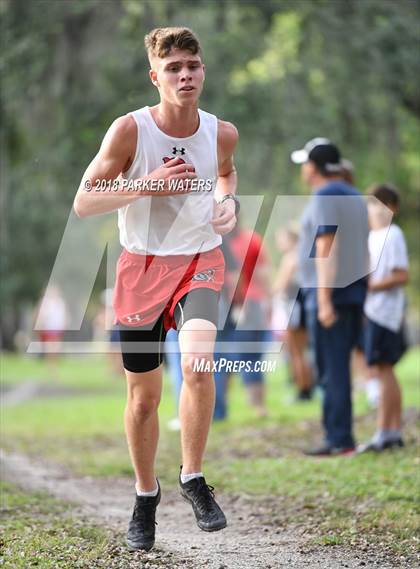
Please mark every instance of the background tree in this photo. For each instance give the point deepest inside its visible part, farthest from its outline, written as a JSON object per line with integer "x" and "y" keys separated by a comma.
{"x": 282, "y": 71}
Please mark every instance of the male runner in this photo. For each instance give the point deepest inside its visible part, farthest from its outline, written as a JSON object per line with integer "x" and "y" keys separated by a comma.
{"x": 171, "y": 269}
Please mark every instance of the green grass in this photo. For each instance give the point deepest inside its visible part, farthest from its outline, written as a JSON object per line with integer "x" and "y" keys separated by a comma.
{"x": 342, "y": 500}
{"x": 81, "y": 372}
{"x": 37, "y": 531}
{"x": 363, "y": 494}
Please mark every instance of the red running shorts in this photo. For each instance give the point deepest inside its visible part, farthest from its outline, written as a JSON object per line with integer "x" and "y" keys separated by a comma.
{"x": 148, "y": 285}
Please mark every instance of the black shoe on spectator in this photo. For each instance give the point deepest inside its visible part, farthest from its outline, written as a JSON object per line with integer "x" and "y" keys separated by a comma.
{"x": 327, "y": 451}
{"x": 207, "y": 512}
{"x": 141, "y": 529}
{"x": 305, "y": 395}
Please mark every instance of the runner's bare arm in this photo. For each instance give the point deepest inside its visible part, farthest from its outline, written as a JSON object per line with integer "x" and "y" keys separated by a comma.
{"x": 114, "y": 157}
{"x": 224, "y": 218}
{"x": 227, "y": 138}
{"x": 115, "y": 154}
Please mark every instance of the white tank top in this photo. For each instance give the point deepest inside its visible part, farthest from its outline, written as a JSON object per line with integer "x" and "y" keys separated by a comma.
{"x": 178, "y": 224}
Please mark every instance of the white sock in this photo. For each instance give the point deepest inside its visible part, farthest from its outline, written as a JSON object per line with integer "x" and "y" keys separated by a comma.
{"x": 187, "y": 477}
{"x": 382, "y": 436}
{"x": 151, "y": 493}
{"x": 395, "y": 434}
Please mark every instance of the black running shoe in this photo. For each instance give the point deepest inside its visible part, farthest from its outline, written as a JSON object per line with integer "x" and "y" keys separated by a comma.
{"x": 207, "y": 512}
{"x": 329, "y": 451}
{"x": 141, "y": 529}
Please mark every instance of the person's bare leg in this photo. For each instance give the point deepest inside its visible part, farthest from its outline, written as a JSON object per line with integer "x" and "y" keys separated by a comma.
{"x": 396, "y": 421}
{"x": 296, "y": 343}
{"x": 389, "y": 415}
{"x": 196, "y": 405}
{"x": 305, "y": 370}
{"x": 52, "y": 360}
{"x": 115, "y": 364}
{"x": 142, "y": 424}
{"x": 291, "y": 348}
{"x": 256, "y": 393}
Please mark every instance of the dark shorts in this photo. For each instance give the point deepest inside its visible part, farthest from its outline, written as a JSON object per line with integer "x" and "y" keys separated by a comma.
{"x": 297, "y": 317}
{"x": 142, "y": 347}
{"x": 381, "y": 345}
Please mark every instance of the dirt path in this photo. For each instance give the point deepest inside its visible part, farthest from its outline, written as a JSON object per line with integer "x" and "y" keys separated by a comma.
{"x": 29, "y": 389}
{"x": 249, "y": 541}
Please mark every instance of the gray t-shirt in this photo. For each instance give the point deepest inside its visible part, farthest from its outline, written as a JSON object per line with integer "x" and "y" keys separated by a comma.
{"x": 336, "y": 208}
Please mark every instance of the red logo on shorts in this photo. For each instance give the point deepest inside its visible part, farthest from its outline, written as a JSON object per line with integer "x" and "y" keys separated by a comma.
{"x": 204, "y": 276}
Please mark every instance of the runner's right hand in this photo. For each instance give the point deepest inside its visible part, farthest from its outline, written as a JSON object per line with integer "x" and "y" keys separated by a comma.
{"x": 175, "y": 169}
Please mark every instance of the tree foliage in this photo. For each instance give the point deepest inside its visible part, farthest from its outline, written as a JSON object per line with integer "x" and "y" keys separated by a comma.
{"x": 282, "y": 71}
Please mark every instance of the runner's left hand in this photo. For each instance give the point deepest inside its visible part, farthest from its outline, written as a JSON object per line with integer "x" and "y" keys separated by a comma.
{"x": 224, "y": 218}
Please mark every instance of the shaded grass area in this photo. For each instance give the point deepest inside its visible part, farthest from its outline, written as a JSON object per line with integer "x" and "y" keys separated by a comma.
{"x": 84, "y": 372}
{"x": 37, "y": 531}
{"x": 355, "y": 500}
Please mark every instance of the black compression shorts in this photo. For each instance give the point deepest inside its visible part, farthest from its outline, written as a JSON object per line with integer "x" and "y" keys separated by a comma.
{"x": 198, "y": 303}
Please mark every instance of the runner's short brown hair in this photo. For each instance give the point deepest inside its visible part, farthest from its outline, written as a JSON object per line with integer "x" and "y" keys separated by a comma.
{"x": 160, "y": 41}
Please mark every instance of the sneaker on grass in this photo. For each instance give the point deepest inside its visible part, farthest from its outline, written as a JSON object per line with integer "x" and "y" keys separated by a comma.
{"x": 326, "y": 450}
{"x": 380, "y": 446}
{"x": 141, "y": 529}
{"x": 200, "y": 495}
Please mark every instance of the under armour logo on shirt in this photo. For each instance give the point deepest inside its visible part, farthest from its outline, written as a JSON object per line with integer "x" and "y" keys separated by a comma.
{"x": 133, "y": 318}
{"x": 176, "y": 151}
